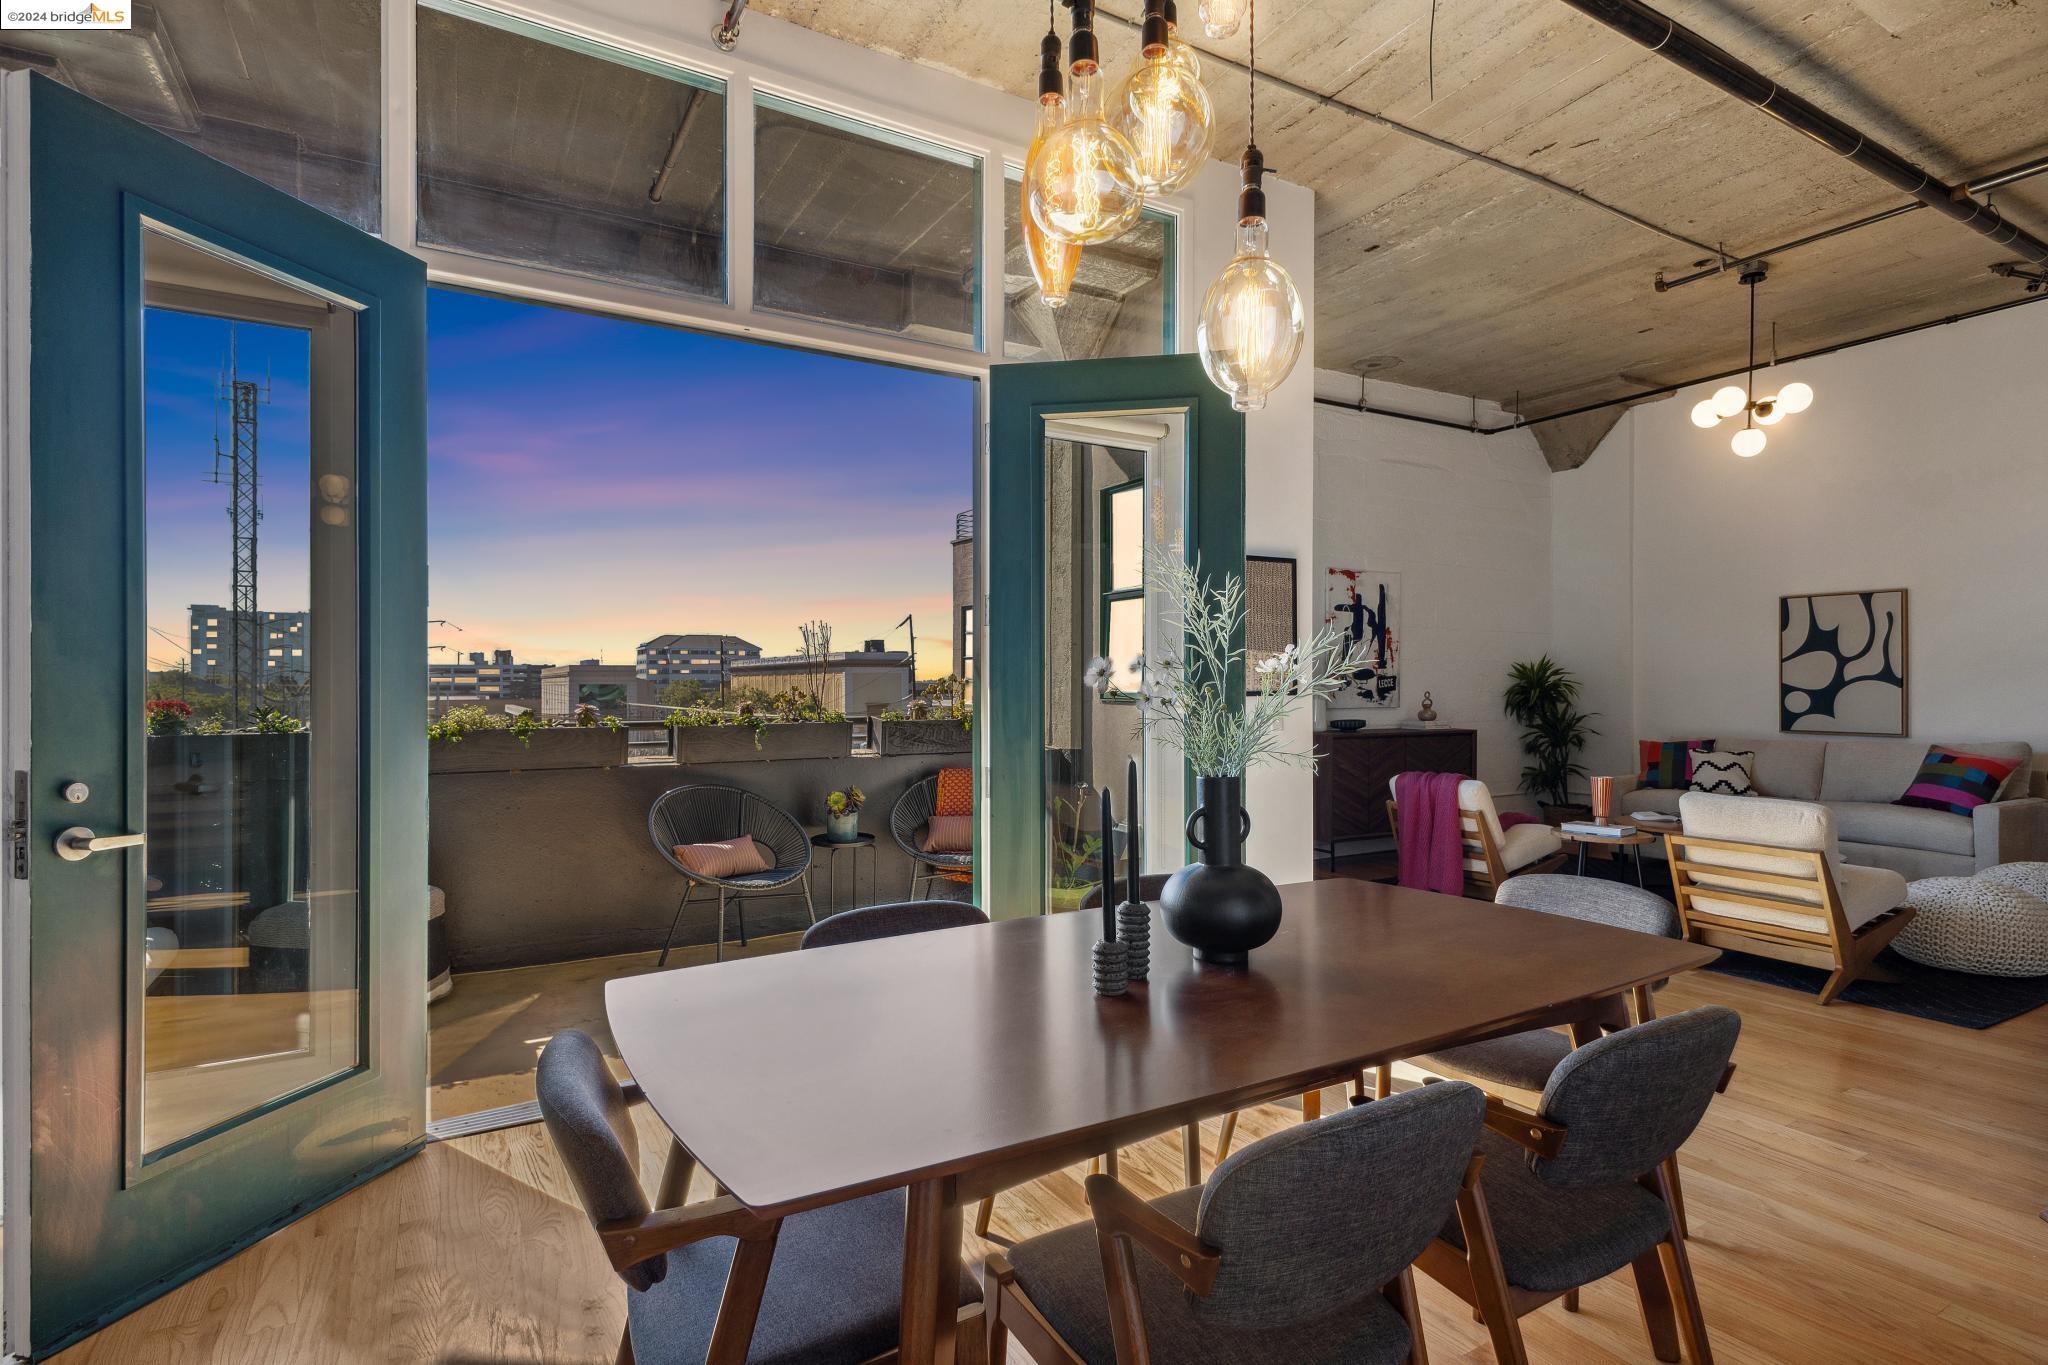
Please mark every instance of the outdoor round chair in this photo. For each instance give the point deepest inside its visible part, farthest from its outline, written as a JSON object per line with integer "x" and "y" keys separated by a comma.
{"x": 907, "y": 821}
{"x": 711, "y": 814}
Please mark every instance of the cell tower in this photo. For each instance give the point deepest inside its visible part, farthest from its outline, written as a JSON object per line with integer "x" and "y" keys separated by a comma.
{"x": 234, "y": 464}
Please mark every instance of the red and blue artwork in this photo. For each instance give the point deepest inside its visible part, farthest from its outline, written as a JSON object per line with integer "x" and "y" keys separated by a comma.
{"x": 1366, "y": 607}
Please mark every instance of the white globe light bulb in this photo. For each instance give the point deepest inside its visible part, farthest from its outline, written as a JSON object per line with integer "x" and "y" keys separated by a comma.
{"x": 1252, "y": 322}
{"x": 1769, "y": 412}
{"x": 1729, "y": 400}
{"x": 1795, "y": 397}
{"x": 1083, "y": 185}
{"x": 1704, "y": 414}
{"x": 1220, "y": 18}
{"x": 1748, "y": 441}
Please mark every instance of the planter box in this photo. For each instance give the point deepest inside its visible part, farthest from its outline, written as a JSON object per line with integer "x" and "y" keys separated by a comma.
{"x": 922, "y": 737}
{"x": 735, "y": 743}
{"x": 499, "y": 751}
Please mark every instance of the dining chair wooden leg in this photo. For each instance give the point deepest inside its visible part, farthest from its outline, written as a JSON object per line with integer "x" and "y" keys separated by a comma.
{"x": 1109, "y": 1163}
{"x": 1311, "y": 1106}
{"x": 1655, "y": 1296}
{"x": 625, "y": 1354}
{"x": 675, "y": 1177}
{"x": 732, "y": 1334}
{"x": 1677, "y": 1265}
{"x": 984, "y": 1211}
{"x": 1490, "y": 1296}
{"x": 1400, "y": 1291}
{"x": 1223, "y": 1138}
{"x": 970, "y": 1337}
{"x": 1383, "y": 1081}
{"x": 1191, "y": 1154}
{"x": 1571, "y": 1300}
{"x": 1670, "y": 1170}
{"x": 996, "y": 1277}
{"x": 1358, "y": 1088}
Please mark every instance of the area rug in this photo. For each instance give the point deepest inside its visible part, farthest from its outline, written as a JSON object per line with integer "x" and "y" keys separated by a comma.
{"x": 1958, "y": 998}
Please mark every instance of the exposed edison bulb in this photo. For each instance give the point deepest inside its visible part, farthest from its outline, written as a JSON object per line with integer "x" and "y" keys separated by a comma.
{"x": 1163, "y": 109}
{"x": 1705, "y": 414}
{"x": 1795, "y": 397}
{"x": 1220, "y": 18}
{"x": 1252, "y": 324}
{"x": 1729, "y": 400}
{"x": 1769, "y": 412}
{"x": 1084, "y": 187}
{"x": 1053, "y": 262}
{"x": 1748, "y": 441}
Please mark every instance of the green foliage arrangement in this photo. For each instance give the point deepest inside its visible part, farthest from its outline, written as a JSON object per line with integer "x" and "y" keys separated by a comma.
{"x": 757, "y": 710}
{"x": 841, "y": 803}
{"x": 458, "y": 721}
{"x": 1543, "y": 698}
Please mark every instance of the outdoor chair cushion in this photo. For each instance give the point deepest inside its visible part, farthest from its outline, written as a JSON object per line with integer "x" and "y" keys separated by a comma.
{"x": 1061, "y": 1272}
{"x": 1552, "y": 1239}
{"x": 724, "y": 858}
{"x": 1875, "y": 822}
{"x": 949, "y": 834}
{"x": 834, "y": 1291}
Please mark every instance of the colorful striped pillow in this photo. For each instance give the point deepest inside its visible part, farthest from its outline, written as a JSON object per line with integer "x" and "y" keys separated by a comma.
{"x": 1668, "y": 765}
{"x": 1956, "y": 782}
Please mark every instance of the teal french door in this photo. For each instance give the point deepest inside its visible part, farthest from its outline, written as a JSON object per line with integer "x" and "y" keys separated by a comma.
{"x": 1093, "y": 465}
{"x": 215, "y": 752}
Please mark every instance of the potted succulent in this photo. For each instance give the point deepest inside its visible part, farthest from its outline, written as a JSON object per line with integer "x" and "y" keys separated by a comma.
{"x": 1543, "y": 698}
{"x": 842, "y": 815}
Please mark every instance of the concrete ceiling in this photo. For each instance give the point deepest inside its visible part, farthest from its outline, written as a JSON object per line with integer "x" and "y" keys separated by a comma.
{"x": 1436, "y": 270}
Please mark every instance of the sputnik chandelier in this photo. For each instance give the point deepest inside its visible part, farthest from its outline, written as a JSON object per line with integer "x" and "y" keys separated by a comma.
{"x": 1732, "y": 400}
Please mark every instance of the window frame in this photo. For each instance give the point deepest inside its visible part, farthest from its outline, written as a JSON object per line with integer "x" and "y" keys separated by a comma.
{"x": 1107, "y": 593}
{"x": 1169, "y": 267}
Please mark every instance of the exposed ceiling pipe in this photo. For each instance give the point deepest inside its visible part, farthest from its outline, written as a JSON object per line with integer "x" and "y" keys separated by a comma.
{"x": 1980, "y": 185}
{"x": 727, "y": 32}
{"x": 691, "y": 102}
{"x": 1683, "y": 47}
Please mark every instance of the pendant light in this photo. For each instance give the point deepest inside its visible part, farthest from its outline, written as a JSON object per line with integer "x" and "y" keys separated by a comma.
{"x": 1162, "y": 108}
{"x": 1732, "y": 400}
{"x": 1053, "y": 262}
{"x": 1221, "y": 18}
{"x": 1084, "y": 186}
{"x": 1252, "y": 322}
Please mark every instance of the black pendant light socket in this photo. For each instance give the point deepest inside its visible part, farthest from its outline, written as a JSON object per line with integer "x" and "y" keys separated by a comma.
{"x": 1082, "y": 49}
{"x": 1251, "y": 200}
{"x": 1050, "y": 85}
{"x": 1152, "y": 36}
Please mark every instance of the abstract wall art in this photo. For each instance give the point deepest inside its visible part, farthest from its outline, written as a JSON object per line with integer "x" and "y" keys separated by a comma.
{"x": 1842, "y": 663}
{"x": 1366, "y": 606}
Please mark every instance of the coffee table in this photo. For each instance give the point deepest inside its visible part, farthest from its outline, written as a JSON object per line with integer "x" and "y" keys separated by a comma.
{"x": 1638, "y": 834}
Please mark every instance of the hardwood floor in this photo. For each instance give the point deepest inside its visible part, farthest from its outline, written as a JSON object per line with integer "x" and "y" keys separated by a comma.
{"x": 1869, "y": 1190}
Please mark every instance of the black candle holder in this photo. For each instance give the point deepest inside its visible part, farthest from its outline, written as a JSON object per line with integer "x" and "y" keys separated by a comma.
{"x": 1134, "y": 932}
{"x": 1112, "y": 967}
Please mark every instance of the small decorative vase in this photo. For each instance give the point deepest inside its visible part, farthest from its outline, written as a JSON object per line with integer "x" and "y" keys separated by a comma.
{"x": 843, "y": 828}
{"x": 1428, "y": 711}
{"x": 1603, "y": 797}
{"x": 1218, "y": 906}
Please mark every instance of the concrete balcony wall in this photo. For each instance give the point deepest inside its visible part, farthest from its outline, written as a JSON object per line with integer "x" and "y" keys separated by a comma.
{"x": 549, "y": 866}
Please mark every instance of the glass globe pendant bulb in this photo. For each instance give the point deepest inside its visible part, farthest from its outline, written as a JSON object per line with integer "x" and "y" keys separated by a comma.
{"x": 1083, "y": 187}
{"x": 1769, "y": 412}
{"x": 1729, "y": 400}
{"x": 1705, "y": 414}
{"x": 1748, "y": 442}
{"x": 1221, "y": 18}
{"x": 1165, "y": 113}
{"x": 1795, "y": 397}
{"x": 1053, "y": 262}
{"x": 1252, "y": 323}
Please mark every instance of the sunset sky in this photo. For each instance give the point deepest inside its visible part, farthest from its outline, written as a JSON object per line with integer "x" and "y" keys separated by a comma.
{"x": 595, "y": 482}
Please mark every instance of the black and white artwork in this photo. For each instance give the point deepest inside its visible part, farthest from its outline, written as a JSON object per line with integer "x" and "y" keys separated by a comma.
{"x": 1842, "y": 663}
{"x": 1366, "y": 606}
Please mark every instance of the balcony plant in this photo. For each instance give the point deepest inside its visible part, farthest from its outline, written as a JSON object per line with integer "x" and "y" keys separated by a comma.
{"x": 472, "y": 739}
{"x": 842, "y": 815}
{"x": 1542, "y": 697}
{"x": 1075, "y": 854}
{"x": 938, "y": 720}
{"x": 761, "y": 725}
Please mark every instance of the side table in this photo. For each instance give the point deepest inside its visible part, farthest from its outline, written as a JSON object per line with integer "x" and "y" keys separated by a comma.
{"x": 821, "y": 844}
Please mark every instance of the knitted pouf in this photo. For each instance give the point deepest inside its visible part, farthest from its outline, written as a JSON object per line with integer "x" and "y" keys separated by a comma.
{"x": 1976, "y": 924}
{"x": 2031, "y": 878}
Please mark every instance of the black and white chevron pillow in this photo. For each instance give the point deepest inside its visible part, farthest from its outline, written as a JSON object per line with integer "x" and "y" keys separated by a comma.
{"x": 1722, "y": 772}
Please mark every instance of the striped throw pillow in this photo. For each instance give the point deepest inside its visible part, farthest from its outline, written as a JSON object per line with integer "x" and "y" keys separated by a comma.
{"x": 1667, "y": 764}
{"x": 727, "y": 858}
{"x": 1956, "y": 782}
{"x": 1723, "y": 772}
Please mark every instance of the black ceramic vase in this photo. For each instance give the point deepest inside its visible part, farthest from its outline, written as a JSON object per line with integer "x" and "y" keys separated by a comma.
{"x": 1218, "y": 906}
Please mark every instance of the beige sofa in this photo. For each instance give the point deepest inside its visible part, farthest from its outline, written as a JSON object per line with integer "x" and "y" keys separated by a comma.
{"x": 1858, "y": 779}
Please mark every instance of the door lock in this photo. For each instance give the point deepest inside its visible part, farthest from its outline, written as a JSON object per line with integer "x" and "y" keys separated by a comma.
{"x": 78, "y": 843}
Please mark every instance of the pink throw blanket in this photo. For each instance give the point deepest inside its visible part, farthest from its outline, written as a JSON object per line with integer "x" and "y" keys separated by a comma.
{"x": 1429, "y": 842}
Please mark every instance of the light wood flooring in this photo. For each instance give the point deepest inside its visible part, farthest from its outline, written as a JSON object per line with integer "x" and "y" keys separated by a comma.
{"x": 1869, "y": 1190}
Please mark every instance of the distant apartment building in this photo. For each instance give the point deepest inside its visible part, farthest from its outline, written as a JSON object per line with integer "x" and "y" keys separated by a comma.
{"x": 963, "y": 597}
{"x": 614, "y": 689}
{"x": 286, "y": 643}
{"x": 471, "y": 681}
{"x": 857, "y": 682}
{"x": 702, "y": 659}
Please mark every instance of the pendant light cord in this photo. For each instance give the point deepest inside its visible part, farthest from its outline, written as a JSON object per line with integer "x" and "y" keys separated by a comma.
{"x": 1251, "y": 80}
{"x": 1749, "y": 411}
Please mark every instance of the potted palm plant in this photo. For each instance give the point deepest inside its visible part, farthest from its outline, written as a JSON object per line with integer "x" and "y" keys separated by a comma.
{"x": 1543, "y": 698}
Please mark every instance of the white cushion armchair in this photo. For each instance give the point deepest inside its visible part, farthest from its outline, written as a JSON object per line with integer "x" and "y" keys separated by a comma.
{"x": 1493, "y": 854}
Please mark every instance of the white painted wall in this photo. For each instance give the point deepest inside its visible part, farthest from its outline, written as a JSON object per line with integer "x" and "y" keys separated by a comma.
{"x": 1466, "y": 521}
{"x": 1922, "y": 464}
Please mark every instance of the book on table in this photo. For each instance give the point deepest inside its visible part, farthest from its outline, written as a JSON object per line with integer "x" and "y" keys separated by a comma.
{"x": 1591, "y": 830}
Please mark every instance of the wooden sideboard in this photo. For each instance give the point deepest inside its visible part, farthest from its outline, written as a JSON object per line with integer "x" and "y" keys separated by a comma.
{"x": 1357, "y": 765}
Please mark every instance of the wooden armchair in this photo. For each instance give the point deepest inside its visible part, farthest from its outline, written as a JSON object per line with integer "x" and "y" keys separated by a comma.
{"x": 1765, "y": 876}
{"x": 1492, "y": 853}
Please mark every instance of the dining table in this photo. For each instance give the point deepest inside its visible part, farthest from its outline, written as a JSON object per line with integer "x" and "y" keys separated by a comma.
{"x": 961, "y": 1062}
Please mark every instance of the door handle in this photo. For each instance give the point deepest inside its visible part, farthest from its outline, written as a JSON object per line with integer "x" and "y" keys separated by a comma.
{"x": 78, "y": 843}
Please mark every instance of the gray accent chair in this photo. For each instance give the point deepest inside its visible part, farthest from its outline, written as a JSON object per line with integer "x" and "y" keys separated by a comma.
{"x": 907, "y": 821}
{"x": 1580, "y": 1188}
{"x": 706, "y": 814}
{"x": 713, "y": 1280}
{"x": 892, "y": 920}
{"x": 1297, "y": 1249}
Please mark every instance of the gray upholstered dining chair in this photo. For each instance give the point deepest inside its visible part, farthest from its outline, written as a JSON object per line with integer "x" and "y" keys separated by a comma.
{"x": 1297, "y": 1249}
{"x": 705, "y": 814}
{"x": 1580, "y": 1188}
{"x": 892, "y": 920}
{"x": 907, "y": 821}
{"x": 713, "y": 1281}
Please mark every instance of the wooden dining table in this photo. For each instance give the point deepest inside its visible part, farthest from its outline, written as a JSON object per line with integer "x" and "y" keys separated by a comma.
{"x": 965, "y": 1061}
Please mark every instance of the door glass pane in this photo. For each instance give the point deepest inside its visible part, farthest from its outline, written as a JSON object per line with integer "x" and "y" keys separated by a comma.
{"x": 549, "y": 150}
{"x": 1114, "y": 491}
{"x": 287, "y": 90}
{"x": 856, "y": 225}
{"x": 247, "y": 952}
{"x": 1121, "y": 302}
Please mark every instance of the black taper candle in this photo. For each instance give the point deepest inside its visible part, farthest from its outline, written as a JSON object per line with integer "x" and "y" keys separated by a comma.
{"x": 1108, "y": 875}
{"x": 1131, "y": 833}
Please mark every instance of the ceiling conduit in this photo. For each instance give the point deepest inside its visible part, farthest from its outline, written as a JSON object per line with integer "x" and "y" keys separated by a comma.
{"x": 1680, "y": 45}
